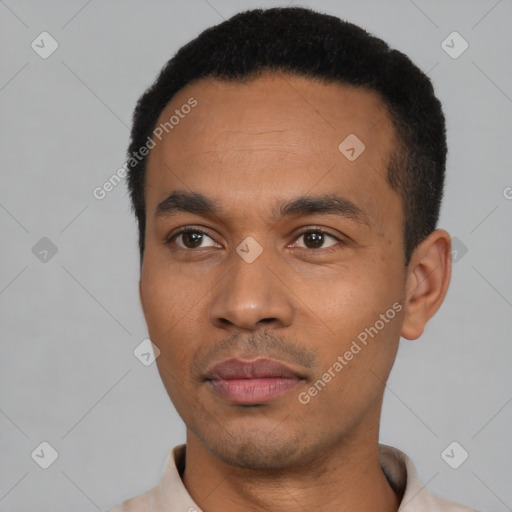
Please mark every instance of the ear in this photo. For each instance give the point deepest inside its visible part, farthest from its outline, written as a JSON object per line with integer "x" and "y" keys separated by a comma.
{"x": 141, "y": 298}
{"x": 427, "y": 282}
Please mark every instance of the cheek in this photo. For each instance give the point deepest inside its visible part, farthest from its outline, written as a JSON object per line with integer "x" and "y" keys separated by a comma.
{"x": 353, "y": 297}
{"x": 357, "y": 362}
{"x": 167, "y": 295}
{"x": 361, "y": 312}
{"x": 175, "y": 302}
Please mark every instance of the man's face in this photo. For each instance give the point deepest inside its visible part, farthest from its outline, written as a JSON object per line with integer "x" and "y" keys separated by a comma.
{"x": 306, "y": 298}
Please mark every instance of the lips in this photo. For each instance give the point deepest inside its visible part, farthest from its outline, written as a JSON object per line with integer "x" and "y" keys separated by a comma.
{"x": 252, "y": 382}
{"x": 258, "y": 369}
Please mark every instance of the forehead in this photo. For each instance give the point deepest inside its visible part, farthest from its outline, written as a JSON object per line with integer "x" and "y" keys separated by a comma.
{"x": 272, "y": 133}
{"x": 273, "y": 102}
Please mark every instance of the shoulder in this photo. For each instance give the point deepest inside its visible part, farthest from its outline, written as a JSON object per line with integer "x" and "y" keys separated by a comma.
{"x": 169, "y": 494}
{"x": 403, "y": 478}
{"x": 141, "y": 503}
{"x": 436, "y": 503}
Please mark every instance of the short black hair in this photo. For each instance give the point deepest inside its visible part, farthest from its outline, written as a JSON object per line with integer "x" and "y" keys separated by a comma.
{"x": 303, "y": 42}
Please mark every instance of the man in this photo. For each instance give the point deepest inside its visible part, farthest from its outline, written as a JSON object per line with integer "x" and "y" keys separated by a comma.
{"x": 286, "y": 171}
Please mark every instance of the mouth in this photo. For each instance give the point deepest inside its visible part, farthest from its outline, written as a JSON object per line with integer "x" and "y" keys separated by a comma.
{"x": 252, "y": 382}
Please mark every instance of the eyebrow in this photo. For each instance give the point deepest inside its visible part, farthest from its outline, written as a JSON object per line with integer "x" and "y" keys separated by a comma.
{"x": 328, "y": 204}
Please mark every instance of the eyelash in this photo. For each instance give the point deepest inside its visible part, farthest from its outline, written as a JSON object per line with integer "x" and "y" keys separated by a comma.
{"x": 188, "y": 229}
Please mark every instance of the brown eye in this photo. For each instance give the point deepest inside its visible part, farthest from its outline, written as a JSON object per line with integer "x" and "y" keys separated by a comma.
{"x": 313, "y": 240}
{"x": 190, "y": 239}
{"x": 316, "y": 239}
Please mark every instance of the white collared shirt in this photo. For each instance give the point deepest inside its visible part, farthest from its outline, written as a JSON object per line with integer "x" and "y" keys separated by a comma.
{"x": 170, "y": 495}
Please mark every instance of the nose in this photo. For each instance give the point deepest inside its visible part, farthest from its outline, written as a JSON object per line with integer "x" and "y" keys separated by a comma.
{"x": 251, "y": 296}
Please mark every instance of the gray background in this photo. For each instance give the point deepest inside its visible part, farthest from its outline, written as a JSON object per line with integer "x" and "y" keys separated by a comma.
{"x": 69, "y": 324}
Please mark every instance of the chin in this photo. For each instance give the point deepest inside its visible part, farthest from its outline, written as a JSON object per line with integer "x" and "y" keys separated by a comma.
{"x": 256, "y": 449}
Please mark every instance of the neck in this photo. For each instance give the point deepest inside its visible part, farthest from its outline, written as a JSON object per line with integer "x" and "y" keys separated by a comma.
{"x": 345, "y": 477}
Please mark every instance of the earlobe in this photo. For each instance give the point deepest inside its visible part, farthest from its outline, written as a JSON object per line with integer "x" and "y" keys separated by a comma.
{"x": 427, "y": 282}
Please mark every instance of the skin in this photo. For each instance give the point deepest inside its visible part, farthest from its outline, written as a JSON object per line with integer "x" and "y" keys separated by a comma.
{"x": 251, "y": 146}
